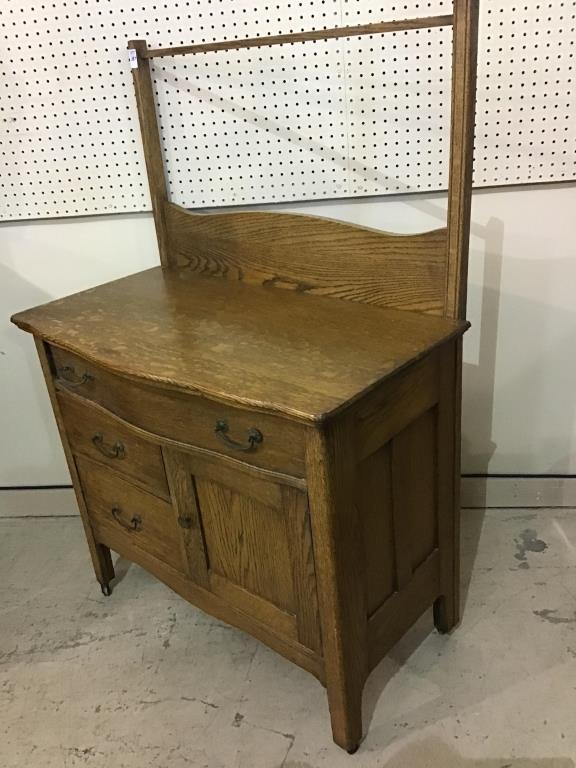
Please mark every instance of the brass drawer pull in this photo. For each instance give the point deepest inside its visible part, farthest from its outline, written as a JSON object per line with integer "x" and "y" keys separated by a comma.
{"x": 68, "y": 375}
{"x": 135, "y": 523}
{"x": 254, "y": 437}
{"x": 115, "y": 451}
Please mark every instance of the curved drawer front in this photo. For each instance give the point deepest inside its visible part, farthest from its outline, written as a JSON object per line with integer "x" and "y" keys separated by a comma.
{"x": 257, "y": 438}
{"x": 94, "y": 434}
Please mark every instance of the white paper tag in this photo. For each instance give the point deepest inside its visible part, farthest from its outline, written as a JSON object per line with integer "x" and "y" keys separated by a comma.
{"x": 133, "y": 58}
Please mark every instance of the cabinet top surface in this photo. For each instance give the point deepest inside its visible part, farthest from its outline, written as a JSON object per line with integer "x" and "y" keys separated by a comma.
{"x": 278, "y": 350}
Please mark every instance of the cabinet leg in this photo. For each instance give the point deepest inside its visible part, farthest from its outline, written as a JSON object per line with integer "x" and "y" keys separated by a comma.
{"x": 447, "y": 605}
{"x": 103, "y": 568}
{"x": 339, "y": 558}
{"x": 346, "y": 717}
{"x": 446, "y": 612}
{"x": 101, "y": 558}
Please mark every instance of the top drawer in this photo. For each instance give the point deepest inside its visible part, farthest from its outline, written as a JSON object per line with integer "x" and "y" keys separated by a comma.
{"x": 258, "y": 438}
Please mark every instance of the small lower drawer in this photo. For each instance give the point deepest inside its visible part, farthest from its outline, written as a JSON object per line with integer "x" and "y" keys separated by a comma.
{"x": 124, "y": 517}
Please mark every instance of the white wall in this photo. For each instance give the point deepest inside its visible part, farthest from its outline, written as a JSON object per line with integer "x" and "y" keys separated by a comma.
{"x": 41, "y": 261}
{"x": 520, "y": 367}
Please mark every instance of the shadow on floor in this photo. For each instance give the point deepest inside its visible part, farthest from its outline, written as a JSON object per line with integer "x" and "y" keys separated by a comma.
{"x": 471, "y": 531}
{"x": 121, "y": 568}
{"x": 472, "y": 521}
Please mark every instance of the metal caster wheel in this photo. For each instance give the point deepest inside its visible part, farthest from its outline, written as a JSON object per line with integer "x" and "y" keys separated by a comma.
{"x": 106, "y": 589}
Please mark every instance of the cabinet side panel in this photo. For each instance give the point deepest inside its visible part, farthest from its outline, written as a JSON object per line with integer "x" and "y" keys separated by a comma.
{"x": 405, "y": 497}
{"x": 415, "y": 486}
{"x": 398, "y": 501}
{"x": 374, "y": 493}
{"x": 391, "y": 408}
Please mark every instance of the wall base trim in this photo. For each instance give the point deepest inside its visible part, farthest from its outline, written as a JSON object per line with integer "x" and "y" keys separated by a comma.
{"x": 477, "y": 492}
{"x": 37, "y": 502}
{"x": 510, "y": 491}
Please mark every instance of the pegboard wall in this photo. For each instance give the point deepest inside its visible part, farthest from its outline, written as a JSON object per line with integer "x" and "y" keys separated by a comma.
{"x": 315, "y": 120}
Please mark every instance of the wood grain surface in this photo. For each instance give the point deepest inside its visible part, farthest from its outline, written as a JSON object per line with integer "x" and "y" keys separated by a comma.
{"x": 339, "y": 557}
{"x": 464, "y": 57}
{"x": 100, "y": 554}
{"x": 379, "y": 27}
{"x": 254, "y": 543}
{"x": 188, "y": 421}
{"x": 105, "y": 491}
{"x": 119, "y": 448}
{"x": 312, "y": 254}
{"x": 145, "y": 103}
{"x": 304, "y": 356}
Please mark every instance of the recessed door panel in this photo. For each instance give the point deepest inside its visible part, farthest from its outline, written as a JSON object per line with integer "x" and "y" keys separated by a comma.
{"x": 249, "y": 542}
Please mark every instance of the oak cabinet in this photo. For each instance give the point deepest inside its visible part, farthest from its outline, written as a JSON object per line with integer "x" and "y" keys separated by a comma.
{"x": 314, "y": 506}
{"x": 270, "y": 421}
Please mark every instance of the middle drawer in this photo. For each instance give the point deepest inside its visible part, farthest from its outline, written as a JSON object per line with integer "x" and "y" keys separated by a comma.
{"x": 93, "y": 433}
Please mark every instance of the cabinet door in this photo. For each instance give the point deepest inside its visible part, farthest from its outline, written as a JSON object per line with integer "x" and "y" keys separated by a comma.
{"x": 249, "y": 542}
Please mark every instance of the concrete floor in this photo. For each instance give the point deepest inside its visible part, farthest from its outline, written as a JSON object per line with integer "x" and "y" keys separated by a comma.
{"x": 144, "y": 680}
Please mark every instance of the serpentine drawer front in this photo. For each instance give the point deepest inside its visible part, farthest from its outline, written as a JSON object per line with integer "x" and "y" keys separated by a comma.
{"x": 256, "y": 438}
